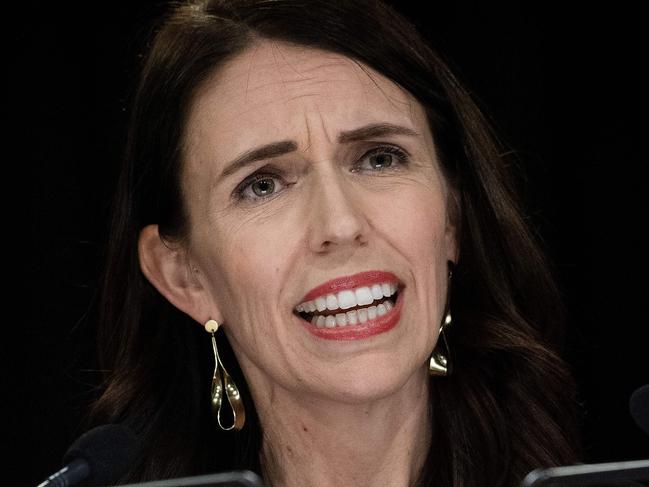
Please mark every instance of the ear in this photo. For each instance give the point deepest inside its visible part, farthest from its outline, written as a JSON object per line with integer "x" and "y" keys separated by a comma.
{"x": 453, "y": 219}
{"x": 167, "y": 269}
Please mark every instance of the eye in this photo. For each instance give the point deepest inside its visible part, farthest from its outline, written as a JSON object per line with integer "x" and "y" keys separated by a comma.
{"x": 263, "y": 187}
{"x": 259, "y": 187}
{"x": 381, "y": 159}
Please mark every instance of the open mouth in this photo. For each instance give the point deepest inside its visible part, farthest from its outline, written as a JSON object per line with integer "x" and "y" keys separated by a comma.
{"x": 358, "y": 314}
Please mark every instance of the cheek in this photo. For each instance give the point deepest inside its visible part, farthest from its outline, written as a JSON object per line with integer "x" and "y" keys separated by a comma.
{"x": 416, "y": 226}
{"x": 251, "y": 257}
{"x": 416, "y": 222}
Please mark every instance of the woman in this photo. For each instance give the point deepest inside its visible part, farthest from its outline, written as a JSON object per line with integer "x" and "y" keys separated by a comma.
{"x": 309, "y": 177}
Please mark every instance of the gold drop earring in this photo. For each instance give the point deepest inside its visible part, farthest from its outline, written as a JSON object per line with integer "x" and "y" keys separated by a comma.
{"x": 439, "y": 363}
{"x": 220, "y": 380}
{"x": 439, "y": 360}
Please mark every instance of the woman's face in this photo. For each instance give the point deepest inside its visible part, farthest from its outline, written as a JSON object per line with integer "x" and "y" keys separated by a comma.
{"x": 302, "y": 167}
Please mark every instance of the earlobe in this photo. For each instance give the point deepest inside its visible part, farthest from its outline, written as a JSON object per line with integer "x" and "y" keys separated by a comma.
{"x": 452, "y": 247}
{"x": 165, "y": 267}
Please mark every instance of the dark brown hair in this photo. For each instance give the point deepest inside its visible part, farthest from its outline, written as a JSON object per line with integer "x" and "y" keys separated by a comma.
{"x": 509, "y": 405}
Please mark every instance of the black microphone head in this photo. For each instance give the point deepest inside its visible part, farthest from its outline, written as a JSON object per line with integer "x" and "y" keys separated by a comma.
{"x": 639, "y": 407}
{"x": 109, "y": 450}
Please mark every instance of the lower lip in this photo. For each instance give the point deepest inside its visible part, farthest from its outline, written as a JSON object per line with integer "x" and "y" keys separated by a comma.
{"x": 378, "y": 325}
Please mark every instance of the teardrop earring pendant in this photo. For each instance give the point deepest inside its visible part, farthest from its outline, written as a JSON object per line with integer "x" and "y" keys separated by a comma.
{"x": 222, "y": 380}
{"x": 439, "y": 363}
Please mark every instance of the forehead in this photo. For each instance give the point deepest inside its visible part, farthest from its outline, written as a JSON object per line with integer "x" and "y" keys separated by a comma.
{"x": 275, "y": 91}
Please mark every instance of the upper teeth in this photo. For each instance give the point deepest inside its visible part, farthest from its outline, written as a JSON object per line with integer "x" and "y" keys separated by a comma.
{"x": 349, "y": 298}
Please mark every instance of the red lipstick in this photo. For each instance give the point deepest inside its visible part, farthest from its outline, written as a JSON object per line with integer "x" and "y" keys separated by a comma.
{"x": 350, "y": 282}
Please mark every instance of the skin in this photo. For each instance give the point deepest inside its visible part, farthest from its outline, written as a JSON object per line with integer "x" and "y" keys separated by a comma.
{"x": 334, "y": 412}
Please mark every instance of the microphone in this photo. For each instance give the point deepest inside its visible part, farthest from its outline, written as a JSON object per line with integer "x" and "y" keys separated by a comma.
{"x": 101, "y": 456}
{"x": 639, "y": 407}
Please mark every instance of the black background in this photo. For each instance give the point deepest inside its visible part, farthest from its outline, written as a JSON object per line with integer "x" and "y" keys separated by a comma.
{"x": 561, "y": 83}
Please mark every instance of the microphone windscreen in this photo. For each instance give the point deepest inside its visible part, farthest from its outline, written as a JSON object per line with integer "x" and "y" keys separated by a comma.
{"x": 639, "y": 407}
{"x": 109, "y": 450}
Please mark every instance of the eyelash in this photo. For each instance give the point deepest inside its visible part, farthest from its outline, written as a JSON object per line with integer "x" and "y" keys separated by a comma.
{"x": 401, "y": 156}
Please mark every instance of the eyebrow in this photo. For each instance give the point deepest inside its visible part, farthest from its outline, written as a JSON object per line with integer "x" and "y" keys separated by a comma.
{"x": 276, "y": 149}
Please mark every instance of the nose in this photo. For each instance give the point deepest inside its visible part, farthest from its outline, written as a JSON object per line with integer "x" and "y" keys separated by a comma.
{"x": 337, "y": 217}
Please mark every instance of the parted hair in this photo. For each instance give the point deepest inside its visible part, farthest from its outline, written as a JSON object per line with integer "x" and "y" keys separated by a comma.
{"x": 509, "y": 405}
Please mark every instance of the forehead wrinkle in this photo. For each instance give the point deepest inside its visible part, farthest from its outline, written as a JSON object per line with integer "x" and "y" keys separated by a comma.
{"x": 262, "y": 67}
{"x": 356, "y": 66}
{"x": 235, "y": 116}
{"x": 393, "y": 100}
{"x": 303, "y": 69}
{"x": 308, "y": 131}
{"x": 333, "y": 59}
{"x": 266, "y": 85}
{"x": 278, "y": 70}
{"x": 254, "y": 48}
{"x": 275, "y": 45}
{"x": 301, "y": 95}
{"x": 322, "y": 123}
{"x": 326, "y": 65}
{"x": 308, "y": 82}
{"x": 308, "y": 125}
{"x": 369, "y": 79}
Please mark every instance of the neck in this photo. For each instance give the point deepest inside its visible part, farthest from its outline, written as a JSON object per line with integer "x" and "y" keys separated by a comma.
{"x": 321, "y": 443}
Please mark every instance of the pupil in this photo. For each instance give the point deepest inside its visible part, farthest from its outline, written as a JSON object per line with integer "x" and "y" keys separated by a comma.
{"x": 263, "y": 187}
{"x": 382, "y": 160}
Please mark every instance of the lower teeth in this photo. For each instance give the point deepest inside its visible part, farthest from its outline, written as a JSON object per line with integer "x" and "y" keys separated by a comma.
{"x": 354, "y": 317}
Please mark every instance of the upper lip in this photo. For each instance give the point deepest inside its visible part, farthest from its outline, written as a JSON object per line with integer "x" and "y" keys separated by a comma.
{"x": 350, "y": 282}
